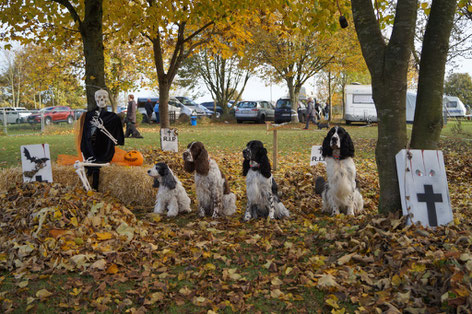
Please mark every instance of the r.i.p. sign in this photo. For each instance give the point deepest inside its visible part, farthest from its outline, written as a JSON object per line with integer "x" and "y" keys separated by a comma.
{"x": 316, "y": 156}
{"x": 423, "y": 187}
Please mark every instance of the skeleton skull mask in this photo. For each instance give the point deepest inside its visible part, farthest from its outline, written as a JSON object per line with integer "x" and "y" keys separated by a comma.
{"x": 101, "y": 97}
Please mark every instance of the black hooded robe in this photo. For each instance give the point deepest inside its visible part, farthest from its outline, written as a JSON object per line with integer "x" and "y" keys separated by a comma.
{"x": 96, "y": 144}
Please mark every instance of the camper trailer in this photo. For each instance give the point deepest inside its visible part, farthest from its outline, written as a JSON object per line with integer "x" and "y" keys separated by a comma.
{"x": 359, "y": 105}
{"x": 454, "y": 106}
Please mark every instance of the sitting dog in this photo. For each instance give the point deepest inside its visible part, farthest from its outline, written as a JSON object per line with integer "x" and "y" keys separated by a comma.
{"x": 322, "y": 125}
{"x": 261, "y": 189}
{"x": 213, "y": 192}
{"x": 171, "y": 194}
{"x": 340, "y": 192}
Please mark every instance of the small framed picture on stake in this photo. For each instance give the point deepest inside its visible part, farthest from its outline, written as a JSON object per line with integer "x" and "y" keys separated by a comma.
{"x": 36, "y": 163}
{"x": 316, "y": 156}
{"x": 169, "y": 140}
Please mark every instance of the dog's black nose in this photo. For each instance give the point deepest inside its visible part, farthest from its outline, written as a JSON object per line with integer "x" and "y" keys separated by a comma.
{"x": 149, "y": 171}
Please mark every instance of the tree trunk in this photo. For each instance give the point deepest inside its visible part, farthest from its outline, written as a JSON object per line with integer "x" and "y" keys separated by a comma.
{"x": 92, "y": 39}
{"x": 388, "y": 67}
{"x": 293, "y": 98}
{"x": 329, "y": 95}
{"x": 429, "y": 100}
{"x": 164, "y": 87}
{"x": 391, "y": 139}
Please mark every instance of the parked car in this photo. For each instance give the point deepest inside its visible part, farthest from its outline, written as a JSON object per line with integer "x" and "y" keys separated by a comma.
{"x": 284, "y": 111}
{"x": 14, "y": 114}
{"x": 175, "y": 107}
{"x": 258, "y": 111}
{"x": 197, "y": 110}
{"x": 78, "y": 113}
{"x": 54, "y": 114}
{"x": 210, "y": 105}
{"x": 119, "y": 109}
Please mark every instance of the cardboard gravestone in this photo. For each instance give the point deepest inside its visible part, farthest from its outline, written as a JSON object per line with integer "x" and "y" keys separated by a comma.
{"x": 316, "y": 156}
{"x": 423, "y": 187}
{"x": 36, "y": 163}
{"x": 169, "y": 140}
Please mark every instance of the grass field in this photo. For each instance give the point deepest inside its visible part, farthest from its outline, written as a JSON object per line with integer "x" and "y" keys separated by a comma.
{"x": 218, "y": 137}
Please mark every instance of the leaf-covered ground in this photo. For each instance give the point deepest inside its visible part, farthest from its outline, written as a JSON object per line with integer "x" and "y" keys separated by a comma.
{"x": 62, "y": 249}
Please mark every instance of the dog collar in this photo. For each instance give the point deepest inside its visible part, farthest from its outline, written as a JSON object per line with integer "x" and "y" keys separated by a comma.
{"x": 253, "y": 164}
{"x": 337, "y": 157}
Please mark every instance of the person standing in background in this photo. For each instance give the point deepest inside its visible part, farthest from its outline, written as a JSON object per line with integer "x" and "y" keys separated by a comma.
{"x": 310, "y": 111}
{"x": 149, "y": 109}
{"x": 131, "y": 130}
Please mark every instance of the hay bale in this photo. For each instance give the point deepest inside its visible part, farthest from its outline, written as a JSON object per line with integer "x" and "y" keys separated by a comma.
{"x": 131, "y": 185}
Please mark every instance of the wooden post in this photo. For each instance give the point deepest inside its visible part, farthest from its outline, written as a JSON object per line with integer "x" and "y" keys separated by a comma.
{"x": 275, "y": 149}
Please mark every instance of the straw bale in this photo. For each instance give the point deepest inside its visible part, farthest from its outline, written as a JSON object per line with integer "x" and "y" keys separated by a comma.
{"x": 131, "y": 185}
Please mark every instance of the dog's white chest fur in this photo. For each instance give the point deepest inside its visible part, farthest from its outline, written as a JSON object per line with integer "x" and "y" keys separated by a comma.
{"x": 342, "y": 173}
{"x": 342, "y": 192}
{"x": 258, "y": 187}
{"x": 206, "y": 183}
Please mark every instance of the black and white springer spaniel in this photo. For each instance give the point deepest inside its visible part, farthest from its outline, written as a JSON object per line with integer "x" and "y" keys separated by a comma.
{"x": 171, "y": 194}
{"x": 261, "y": 189}
{"x": 340, "y": 192}
{"x": 213, "y": 192}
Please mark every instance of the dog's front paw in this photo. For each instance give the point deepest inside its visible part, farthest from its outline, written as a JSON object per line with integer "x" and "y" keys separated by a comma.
{"x": 215, "y": 213}
{"x": 350, "y": 211}
{"x": 201, "y": 212}
{"x": 335, "y": 212}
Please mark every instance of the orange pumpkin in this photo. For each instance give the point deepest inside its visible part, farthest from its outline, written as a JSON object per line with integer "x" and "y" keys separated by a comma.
{"x": 134, "y": 158}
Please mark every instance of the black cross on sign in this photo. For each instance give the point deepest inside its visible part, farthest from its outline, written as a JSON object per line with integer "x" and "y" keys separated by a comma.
{"x": 430, "y": 199}
{"x": 39, "y": 178}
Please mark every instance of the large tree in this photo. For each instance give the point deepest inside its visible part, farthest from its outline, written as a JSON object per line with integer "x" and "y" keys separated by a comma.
{"x": 460, "y": 85}
{"x": 388, "y": 66}
{"x": 221, "y": 75}
{"x": 58, "y": 21}
{"x": 293, "y": 51}
{"x": 429, "y": 101}
{"x": 178, "y": 29}
{"x": 127, "y": 69}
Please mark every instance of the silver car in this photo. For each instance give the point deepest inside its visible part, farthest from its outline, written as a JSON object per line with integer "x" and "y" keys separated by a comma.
{"x": 258, "y": 111}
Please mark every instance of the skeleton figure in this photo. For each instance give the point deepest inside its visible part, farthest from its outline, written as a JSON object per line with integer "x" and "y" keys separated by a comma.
{"x": 101, "y": 131}
{"x": 101, "y": 97}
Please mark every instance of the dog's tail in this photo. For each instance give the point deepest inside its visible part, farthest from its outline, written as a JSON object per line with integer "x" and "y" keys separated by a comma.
{"x": 320, "y": 185}
{"x": 229, "y": 204}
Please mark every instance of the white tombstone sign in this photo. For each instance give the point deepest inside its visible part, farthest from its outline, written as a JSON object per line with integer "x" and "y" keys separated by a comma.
{"x": 316, "y": 156}
{"x": 169, "y": 140}
{"x": 423, "y": 187}
{"x": 36, "y": 163}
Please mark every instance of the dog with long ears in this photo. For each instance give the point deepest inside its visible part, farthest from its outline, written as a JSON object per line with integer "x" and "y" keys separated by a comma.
{"x": 171, "y": 195}
{"x": 213, "y": 192}
{"x": 340, "y": 192}
{"x": 261, "y": 189}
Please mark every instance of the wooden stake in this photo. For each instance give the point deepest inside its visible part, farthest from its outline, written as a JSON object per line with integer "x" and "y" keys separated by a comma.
{"x": 275, "y": 149}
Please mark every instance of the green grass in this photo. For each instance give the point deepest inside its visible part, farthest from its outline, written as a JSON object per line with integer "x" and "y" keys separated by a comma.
{"x": 221, "y": 136}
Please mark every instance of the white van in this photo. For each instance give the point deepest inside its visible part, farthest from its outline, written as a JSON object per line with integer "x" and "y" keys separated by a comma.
{"x": 358, "y": 104}
{"x": 14, "y": 114}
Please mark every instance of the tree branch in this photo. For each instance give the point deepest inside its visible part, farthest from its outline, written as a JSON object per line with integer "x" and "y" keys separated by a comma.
{"x": 71, "y": 9}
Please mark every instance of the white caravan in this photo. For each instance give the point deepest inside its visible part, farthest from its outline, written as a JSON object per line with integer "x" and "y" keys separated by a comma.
{"x": 360, "y": 107}
{"x": 454, "y": 106}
